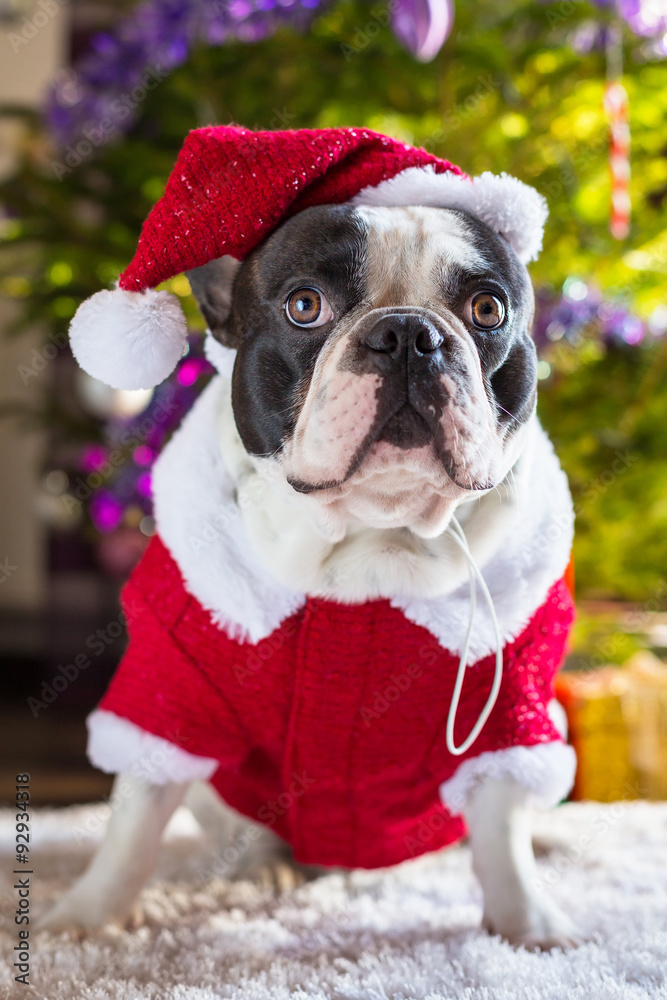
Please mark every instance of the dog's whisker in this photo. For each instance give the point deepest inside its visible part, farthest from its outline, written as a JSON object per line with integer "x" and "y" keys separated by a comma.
{"x": 506, "y": 411}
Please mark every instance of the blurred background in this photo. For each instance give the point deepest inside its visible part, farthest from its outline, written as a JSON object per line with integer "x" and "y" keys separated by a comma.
{"x": 96, "y": 98}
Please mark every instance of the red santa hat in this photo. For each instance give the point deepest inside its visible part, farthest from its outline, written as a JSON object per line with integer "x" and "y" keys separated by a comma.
{"x": 230, "y": 188}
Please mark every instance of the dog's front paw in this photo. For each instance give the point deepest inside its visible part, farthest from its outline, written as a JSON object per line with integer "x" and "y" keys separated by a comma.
{"x": 81, "y": 913}
{"x": 536, "y": 924}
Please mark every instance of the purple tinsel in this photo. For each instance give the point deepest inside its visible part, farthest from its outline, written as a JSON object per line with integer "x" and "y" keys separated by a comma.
{"x": 643, "y": 17}
{"x": 129, "y": 484}
{"x": 589, "y": 36}
{"x": 101, "y": 96}
{"x": 581, "y": 311}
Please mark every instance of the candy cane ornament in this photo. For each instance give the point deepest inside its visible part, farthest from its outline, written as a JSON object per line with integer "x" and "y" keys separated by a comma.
{"x": 616, "y": 107}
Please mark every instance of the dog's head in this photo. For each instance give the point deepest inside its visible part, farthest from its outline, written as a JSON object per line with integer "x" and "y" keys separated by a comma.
{"x": 385, "y": 363}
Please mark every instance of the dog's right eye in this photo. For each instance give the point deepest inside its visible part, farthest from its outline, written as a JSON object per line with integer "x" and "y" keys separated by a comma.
{"x": 308, "y": 307}
{"x": 485, "y": 311}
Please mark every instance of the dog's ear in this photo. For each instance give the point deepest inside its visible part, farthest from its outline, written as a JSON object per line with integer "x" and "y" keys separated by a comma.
{"x": 212, "y": 287}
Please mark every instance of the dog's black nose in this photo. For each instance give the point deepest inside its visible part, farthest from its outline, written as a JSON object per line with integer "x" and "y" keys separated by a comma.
{"x": 399, "y": 334}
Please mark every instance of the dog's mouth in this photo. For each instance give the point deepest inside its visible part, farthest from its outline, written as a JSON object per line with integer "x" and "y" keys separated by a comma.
{"x": 410, "y": 431}
{"x": 406, "y": 430}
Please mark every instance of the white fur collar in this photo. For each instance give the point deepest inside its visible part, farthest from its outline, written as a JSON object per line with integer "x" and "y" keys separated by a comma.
{"x": 522, "y": 545}
{"x": 200, "y": 522}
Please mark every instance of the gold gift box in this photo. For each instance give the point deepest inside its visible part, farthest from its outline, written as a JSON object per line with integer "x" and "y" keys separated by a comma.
{"x": 645, "y": 712}
{"x": 617, "y": 718}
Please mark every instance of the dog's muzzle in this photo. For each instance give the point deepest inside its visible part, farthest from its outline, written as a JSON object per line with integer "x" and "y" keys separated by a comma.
{"x": 421, "y": 365}
{"x": 411, "y": 350}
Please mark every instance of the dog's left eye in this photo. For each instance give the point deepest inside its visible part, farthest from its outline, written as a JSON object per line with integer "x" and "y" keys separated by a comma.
{"x": 485, "y": 311}
{"x": 308, "y": 307}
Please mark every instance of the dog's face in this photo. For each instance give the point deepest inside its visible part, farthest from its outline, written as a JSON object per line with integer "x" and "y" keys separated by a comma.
{"x": 384, "y": 357}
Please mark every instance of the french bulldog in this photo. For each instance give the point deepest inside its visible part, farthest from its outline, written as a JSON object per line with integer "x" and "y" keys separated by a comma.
{"x": 384, "y": 384}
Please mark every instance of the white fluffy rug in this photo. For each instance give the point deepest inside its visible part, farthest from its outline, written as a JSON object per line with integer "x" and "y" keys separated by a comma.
{"x": 409, "y": 932}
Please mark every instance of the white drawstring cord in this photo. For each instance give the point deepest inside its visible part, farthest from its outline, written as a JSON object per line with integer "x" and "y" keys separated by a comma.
{"x": 457, "y": 535}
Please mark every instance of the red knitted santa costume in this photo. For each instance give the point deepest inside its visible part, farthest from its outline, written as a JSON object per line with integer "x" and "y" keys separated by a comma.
{"x": 320, "y": 719}
{"x": 331, "y": 729}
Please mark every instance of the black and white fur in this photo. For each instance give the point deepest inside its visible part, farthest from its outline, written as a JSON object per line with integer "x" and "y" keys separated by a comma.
{"x": 366, "y": 434}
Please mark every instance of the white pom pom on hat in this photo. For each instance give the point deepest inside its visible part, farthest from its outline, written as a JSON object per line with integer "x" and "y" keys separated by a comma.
{"x": 137, "y": 338}
{"x": 230, "y": 188}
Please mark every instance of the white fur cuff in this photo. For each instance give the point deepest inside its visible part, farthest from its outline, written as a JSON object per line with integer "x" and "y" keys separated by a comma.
{"x": 514, "y": 209}
{"x": 117, "y": 746}
{"x": 546, "y": 769}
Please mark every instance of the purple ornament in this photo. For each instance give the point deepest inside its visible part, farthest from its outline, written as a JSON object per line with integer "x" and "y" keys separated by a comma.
{"x": 633, "y": 331}
{"x": 581, "y": 310}
{"x": 644, "y": 17}
{"x": 93, "y": 457}
{"x": 422, "y": 26}
{"x": 189, "y": 371}
{"x": 144, "y": 484}
{"x": 143, "y": 455}
{"x": 106, "y": 511}
{"x": 620, "y": 327}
